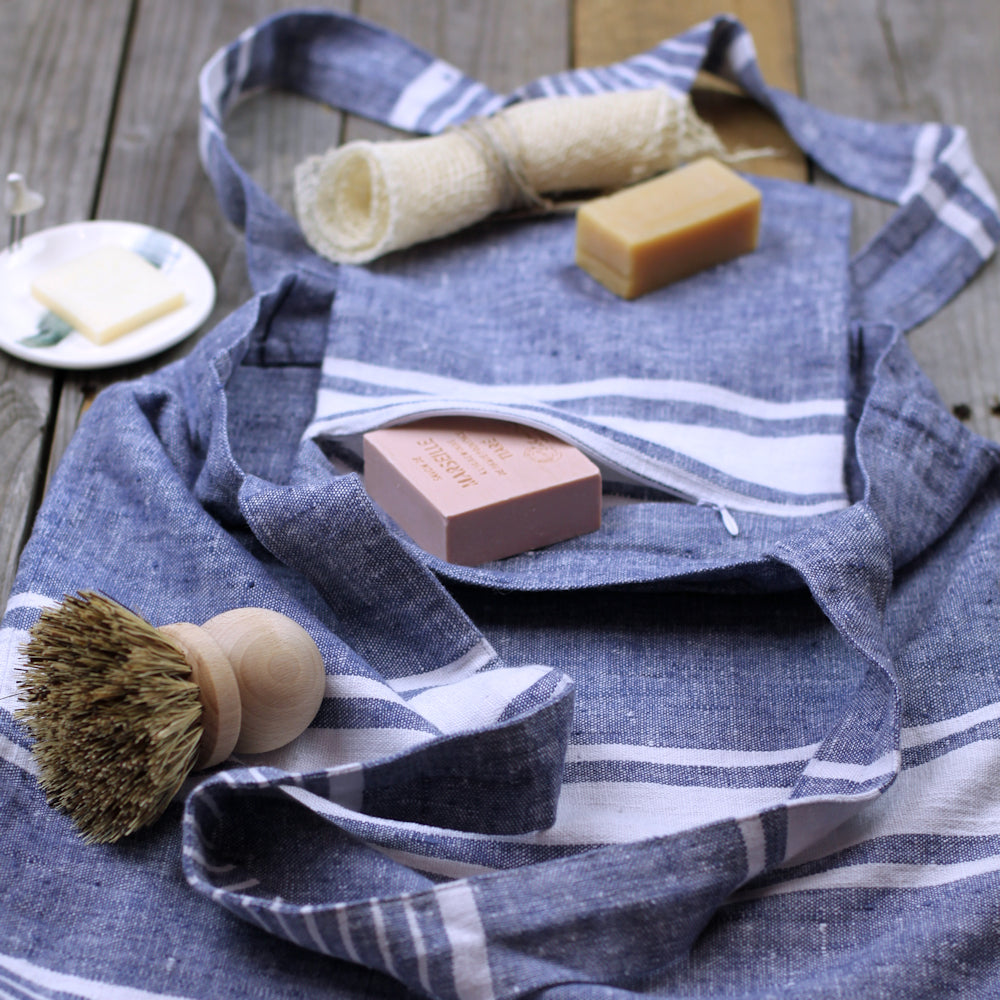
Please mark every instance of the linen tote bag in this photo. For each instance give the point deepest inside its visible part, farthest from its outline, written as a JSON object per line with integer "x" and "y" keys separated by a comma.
{"x": 739, "y": 741}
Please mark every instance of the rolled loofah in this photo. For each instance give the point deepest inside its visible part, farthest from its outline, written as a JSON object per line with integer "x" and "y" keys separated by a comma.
{"x": 362, "y": 200}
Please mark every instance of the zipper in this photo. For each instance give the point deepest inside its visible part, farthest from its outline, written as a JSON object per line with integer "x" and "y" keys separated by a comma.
{"x": 633, "y": 466}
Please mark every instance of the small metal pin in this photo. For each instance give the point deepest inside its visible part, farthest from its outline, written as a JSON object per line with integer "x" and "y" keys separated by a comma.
{"x": 19, "y": 201}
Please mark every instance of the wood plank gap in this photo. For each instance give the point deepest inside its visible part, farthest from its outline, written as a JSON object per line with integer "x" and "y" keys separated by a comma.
{"x": 116, "y": 95}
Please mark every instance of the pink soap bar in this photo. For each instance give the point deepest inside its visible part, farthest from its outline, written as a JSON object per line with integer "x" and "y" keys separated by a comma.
{"x": 469, "y": 489}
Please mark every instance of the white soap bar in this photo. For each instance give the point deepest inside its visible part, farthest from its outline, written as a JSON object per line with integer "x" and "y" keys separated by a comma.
{"x": 107, "y": 292}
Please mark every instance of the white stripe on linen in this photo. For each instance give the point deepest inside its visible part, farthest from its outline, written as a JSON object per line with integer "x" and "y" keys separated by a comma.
{"x": 906, "y": 807}
{"x": 660, "y": 68}
{"x": 965, "y": 224}
{"x": 664, "y": 390}
{"x": 857, "y": 773}
{"x": 286, "y": 929}
{"x": 910, "y": 737}
{"x": 434, "y": 865}
{"x": 740, "y": 54}
{"x": 931, "y": 732}
{"x": 217, "y": 90}
{"x": 752, "y": 832}
{"x": 958, "y": 155}
{"x": 476, "y": 701}
{"x": 811, "y": 462}
{"x": 344, "y": 928}
{"x": 212, "y": 84}
{"x": 583, "y": 82}
{"x": 360, "y": 686}
{"x": 91, "y": 989}
{"x": 546, "y": 86}
{"x": 18, "y": 756}
{"x": 464, "y": 928}
{"x": 194, "y": 853}
{"x": 877, "y": 875}
{"x": 955, "y": 794}
{"x": 11, "y": 661}
{"x": 687, "y": 756}
{"x": 642, "y": 81}
{"x": 247, "y": 883}
{"x": 495, "y": 103}
{"x": 622, "y": 812}
{"x": 309, "y": 919}
{"x": 419, "y": 946}
{"x": 27, "y": 599}
{"x": 317, "y": 749}
{"x": 244, "y": 59}
{"x": 924, "y": 161}
{"x": 465, "y": 666}
{"x": 457, "y": 111}
{"x": 382, "y": 939}
{"x": 628, "y": 78}
{"x": 801, "y": 464}
{"x": 682, "y": 48}
{"x": 956, "y": 218}
{"x": 591, "y": 813}
{"x": 11, "y": 641}
{"x": 247, "y": 905}
{"x": 421, "y": 92}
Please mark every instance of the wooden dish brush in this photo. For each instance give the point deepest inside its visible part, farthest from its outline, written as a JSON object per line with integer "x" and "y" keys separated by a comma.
{"x": 122, "y": 712}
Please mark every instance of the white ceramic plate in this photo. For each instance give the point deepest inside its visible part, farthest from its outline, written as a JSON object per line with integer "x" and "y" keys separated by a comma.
{"x": 29, "y": 331}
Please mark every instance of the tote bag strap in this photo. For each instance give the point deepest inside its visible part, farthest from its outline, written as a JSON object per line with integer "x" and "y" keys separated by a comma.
{"x": 340, "y": 60}
{"x": 947, "y": 225}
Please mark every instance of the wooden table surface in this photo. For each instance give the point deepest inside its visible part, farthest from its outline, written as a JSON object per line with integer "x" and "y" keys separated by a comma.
{"x": 98, "y": 108}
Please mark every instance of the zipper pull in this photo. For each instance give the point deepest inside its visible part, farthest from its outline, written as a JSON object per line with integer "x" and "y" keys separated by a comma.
{"x": 728, "y": 521}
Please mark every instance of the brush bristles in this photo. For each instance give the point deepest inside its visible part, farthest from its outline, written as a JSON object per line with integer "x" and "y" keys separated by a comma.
{"x": 115, "y": 714}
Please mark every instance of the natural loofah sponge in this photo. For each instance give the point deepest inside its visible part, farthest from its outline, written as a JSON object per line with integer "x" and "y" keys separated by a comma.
{"x": 360, "y": 201}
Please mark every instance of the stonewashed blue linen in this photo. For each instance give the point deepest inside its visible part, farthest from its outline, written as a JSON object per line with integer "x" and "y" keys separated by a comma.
{"x": 742, "y": 741}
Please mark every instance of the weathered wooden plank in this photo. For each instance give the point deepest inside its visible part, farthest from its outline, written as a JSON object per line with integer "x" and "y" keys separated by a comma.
{"x": 608, "y": 30}
{"x": 503, "y": 45}
{"x": 919, "y": 60}
{"x": 58, "y": 74}
{"x": 153, "y": 174}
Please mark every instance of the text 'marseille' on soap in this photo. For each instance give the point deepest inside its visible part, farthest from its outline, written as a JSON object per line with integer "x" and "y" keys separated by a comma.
{"x": 469, "y": 490}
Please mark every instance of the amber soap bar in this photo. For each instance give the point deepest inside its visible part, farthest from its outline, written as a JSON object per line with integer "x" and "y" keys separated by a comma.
{"x": 667, "y": 228}
{"x": 470, "y": 490}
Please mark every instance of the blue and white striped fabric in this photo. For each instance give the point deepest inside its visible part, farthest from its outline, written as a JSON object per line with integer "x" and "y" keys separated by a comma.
{"x": 723, "y": 427}
{"x": 664, "y": 760}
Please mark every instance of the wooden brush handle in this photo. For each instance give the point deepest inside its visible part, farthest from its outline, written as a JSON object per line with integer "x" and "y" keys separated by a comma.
{"x": 280, "y": 674}
{"x": 220, "y": 695}
{"x": 261, "y": 678}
